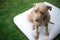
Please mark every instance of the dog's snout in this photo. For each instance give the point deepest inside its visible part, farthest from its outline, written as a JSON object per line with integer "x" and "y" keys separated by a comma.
{"x": 36, "y": 19}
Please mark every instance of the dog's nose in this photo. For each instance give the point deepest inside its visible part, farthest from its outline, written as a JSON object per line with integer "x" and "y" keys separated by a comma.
{"x": 37, "y": 19}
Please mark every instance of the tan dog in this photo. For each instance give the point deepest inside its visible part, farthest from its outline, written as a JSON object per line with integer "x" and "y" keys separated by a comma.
{"x": 40, "y": 16}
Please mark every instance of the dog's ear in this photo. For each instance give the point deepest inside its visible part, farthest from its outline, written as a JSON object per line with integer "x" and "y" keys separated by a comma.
{"x": 34, "y": 4}
{"x": 49, "y": 7}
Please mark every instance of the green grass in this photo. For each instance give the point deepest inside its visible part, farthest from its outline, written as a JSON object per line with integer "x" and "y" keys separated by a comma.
{"x": 8, "y": 10}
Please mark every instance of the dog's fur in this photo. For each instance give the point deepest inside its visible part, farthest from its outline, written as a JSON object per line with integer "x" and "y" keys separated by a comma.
{"x": 40, "y": 16}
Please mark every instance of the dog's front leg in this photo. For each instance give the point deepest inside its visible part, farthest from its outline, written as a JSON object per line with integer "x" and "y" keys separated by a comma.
{"x": 46, "y": 28}
{"x": 37, "y": 34}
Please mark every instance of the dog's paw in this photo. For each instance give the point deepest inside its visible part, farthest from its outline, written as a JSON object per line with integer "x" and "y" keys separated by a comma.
{"x": 47, "y": 34}
{"x": 33, "y": 27}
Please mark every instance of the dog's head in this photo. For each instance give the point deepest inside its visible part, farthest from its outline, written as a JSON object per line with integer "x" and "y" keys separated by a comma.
{"x": 40, "y": 10}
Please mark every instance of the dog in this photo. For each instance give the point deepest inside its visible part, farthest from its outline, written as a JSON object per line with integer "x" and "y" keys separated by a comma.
{"x": 40, "y": 17}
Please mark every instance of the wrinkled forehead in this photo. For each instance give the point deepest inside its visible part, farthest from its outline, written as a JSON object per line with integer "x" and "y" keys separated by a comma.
{"x": 40, "y": 6}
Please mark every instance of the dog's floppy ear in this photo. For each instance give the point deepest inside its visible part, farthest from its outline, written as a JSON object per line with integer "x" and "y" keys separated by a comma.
{"x": 49, "y": 7}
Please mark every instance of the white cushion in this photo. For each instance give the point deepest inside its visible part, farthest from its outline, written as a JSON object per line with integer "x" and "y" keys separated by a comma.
{"x": 26, "y": 27}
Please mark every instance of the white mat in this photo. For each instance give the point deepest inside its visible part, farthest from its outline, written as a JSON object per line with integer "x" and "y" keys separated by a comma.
{"x": 26, "y": 27}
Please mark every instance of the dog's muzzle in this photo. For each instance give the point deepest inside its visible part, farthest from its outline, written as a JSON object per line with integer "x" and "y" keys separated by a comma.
{"x": 36, "y": 19}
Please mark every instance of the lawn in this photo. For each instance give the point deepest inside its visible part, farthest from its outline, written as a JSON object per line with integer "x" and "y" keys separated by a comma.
{"x": 9, "y": 9}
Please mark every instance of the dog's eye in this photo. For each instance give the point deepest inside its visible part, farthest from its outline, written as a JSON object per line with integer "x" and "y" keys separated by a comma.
{"x": 36, "y": 11}
{"x": 42, "y": 12}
